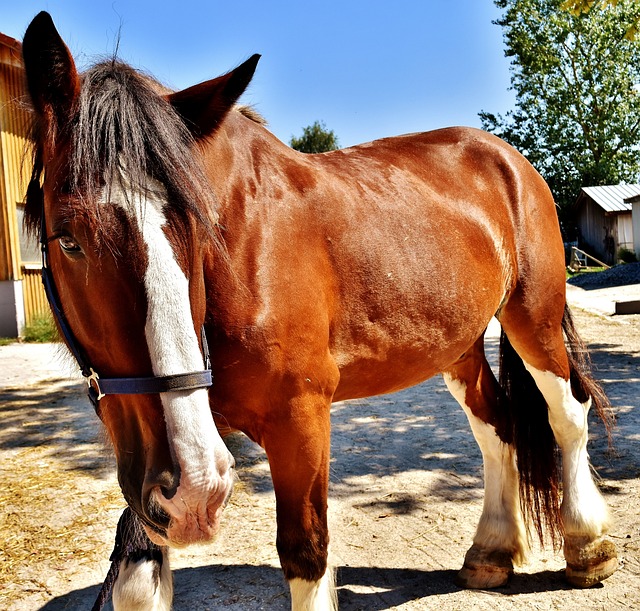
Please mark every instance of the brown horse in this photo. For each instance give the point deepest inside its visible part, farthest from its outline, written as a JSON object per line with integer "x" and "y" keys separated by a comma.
{"x": 317, "y": 278}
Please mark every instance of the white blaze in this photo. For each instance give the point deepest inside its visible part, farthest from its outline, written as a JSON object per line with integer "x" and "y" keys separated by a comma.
{"x": 173, "y": 346}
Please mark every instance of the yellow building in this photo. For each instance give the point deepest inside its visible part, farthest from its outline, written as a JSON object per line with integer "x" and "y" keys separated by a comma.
{"x": 21, "y": 294}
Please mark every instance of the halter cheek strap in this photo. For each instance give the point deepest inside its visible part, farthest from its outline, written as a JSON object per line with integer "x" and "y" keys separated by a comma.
{"x": 98, "y": 386}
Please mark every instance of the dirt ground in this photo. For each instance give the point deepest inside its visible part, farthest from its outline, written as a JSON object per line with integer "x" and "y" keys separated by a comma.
{"x": 406, "y": 494}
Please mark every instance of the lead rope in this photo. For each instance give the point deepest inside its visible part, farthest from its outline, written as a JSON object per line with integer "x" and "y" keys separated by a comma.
{"x": 131, "y": 544}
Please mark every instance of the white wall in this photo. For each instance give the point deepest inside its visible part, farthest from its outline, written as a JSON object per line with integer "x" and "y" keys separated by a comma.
{"x": 625, "y": 231}
{"x": 635, "y": 214}
{"x": 11, "y": 308}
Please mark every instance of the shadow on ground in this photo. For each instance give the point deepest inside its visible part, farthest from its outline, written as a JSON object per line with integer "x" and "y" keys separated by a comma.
{"x": 57, "y": 417}
{"x": 373, "y": 432}
{"x": 249, "y": 587}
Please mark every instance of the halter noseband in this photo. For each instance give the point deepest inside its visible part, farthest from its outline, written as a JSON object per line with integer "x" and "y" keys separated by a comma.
{"x": 98, "y": 387}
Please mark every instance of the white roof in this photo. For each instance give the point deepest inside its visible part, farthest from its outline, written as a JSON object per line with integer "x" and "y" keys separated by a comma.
{"x": 612, "y": 198}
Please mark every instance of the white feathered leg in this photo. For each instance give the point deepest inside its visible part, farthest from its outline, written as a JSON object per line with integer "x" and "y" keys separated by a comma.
{"x": 590, "y": 556}
{"x": 500, "y": 540}
{"x": 314, "y": 595}
{"x": 144, "y": 585}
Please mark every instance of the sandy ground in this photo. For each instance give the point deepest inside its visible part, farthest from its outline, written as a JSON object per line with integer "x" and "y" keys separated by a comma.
{"x": 406, "y": 494}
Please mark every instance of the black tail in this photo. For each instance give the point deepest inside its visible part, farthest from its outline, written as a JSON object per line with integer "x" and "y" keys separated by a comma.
{"x": 536, "y": 450}
{"x": 583, "y": 385}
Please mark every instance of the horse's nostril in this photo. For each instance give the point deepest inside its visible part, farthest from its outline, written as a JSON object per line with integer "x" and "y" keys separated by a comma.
{"x": 165, "y": 483}
{"x": 168, "y": 492}
{"x": 156, "y": 487}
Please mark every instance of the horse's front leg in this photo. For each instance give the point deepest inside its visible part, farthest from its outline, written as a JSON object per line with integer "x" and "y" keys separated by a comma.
{"x": 140, "y": 568}
{"x": 144, "y": 583}
{"x": 297, "y": 444}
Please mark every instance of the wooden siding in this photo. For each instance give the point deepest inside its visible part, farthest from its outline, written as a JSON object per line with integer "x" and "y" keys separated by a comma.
{"x": 15, "y": 170}
{"x": 591, "y": 220}
{"x": 14, "y": 174}
{"x": 635, "y": 217}
{"x": 35, "y": 300}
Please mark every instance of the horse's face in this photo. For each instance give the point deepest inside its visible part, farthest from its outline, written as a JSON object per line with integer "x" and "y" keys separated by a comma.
{"x": 128, "y": 265}
{"x": 135, "y": 301}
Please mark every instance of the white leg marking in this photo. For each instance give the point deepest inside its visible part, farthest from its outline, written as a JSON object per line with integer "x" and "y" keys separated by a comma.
{"x": 584, "y": 511}
{"x": 139, "y": 587}
{"x": 501, "y": 526}
{"x": 314, "y": 595}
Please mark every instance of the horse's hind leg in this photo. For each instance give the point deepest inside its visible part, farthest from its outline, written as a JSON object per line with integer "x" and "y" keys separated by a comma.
{"x": 585, "y": 517}
{"x": 500, "y": 540}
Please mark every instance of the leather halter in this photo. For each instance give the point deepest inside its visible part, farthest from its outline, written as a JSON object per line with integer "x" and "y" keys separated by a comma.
{"x": 98, "y": 386}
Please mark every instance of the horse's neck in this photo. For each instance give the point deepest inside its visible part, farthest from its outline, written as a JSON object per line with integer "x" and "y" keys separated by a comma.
{"x": 244, "y": 151}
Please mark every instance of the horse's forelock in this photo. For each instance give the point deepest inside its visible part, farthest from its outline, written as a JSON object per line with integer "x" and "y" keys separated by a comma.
{"x": 125, "y": 134}
{"x": 123, "y": 126}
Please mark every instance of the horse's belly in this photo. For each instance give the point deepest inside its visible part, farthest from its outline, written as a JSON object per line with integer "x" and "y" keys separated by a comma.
{"x": 368, "y": 379}
{"x": 391, "y": 363}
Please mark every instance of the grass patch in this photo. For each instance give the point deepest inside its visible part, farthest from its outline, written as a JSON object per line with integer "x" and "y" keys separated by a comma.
{"x": 5, "y": 341}
{"x": 41, "y": 330}
{"x": 584, "y": 270}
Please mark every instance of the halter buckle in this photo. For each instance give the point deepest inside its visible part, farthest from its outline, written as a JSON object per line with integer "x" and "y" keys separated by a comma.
{"x": 94, "y": 384}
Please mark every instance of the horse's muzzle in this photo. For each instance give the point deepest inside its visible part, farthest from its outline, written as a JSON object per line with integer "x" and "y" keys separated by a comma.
{"x": 191, "y": 515}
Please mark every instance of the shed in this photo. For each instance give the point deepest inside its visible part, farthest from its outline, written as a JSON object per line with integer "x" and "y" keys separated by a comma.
{"x": 21, "y": 295}
{"x": 604, "y": 219}
{"x": 635, "y": 222}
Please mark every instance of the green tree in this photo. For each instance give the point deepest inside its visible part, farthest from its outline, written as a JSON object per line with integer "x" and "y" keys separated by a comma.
{"x": 315, "y": 138}
{"x": 584, "y": 6}
{"x": 576, "y": 76}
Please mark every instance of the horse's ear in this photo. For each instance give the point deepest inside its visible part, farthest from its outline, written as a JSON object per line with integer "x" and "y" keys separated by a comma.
{"x": 204, "y": 106}
{"x": 52, "y": 78}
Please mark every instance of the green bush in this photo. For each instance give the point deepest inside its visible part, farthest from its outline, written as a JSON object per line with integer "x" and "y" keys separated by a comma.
{"x": 41, "y": 330}
{"x": 627, "y": 256}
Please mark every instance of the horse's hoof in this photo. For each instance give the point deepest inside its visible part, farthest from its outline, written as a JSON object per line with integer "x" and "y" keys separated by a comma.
{"x": 485, "y": 569}
{"x": 591, "y": 563}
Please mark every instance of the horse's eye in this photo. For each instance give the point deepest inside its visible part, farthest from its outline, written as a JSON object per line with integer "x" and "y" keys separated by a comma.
{"x": 69, "y": 245}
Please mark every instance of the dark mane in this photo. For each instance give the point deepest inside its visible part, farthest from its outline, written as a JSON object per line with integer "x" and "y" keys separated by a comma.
{"x": 123, "y": 129}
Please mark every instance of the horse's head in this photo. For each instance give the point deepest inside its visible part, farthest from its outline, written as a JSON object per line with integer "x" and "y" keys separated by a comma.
{"x": 130, "y": 225}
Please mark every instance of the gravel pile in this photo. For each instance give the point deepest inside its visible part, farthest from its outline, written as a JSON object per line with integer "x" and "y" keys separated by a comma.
{"x": 619, "y": 275}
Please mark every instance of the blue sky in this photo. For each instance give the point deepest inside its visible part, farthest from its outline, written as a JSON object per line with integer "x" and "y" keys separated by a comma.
{"x": 368, "y": 69}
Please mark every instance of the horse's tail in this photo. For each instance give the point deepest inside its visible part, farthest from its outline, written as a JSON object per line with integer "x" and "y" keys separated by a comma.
{"x": 536, "y": 450}
{"x": 583, "y": 385}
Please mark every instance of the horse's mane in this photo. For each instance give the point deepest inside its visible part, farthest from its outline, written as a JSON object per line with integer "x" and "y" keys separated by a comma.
{"x": 251, "y": 113}
{"x": 124, "y": 130}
